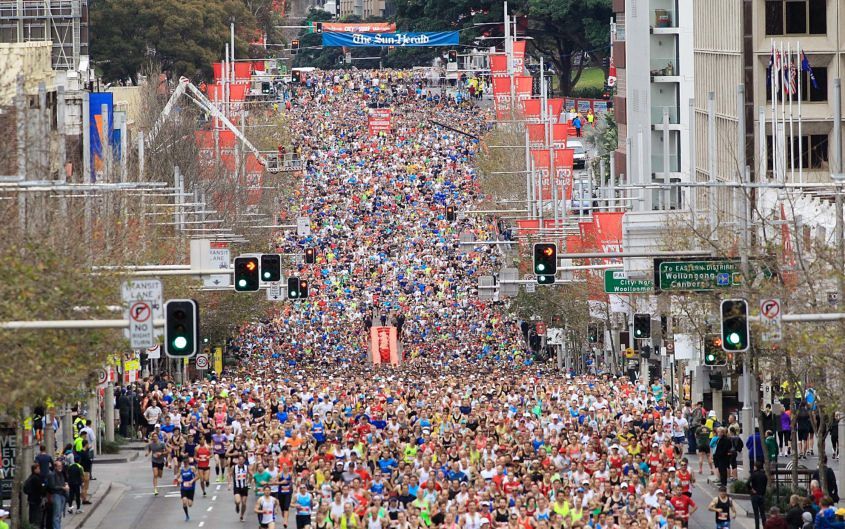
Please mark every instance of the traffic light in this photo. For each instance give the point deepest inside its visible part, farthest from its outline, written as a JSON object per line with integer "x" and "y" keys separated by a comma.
{"x": 453, "y": 56}
{"x": 246, "y": 274}
{"x": 545, "y": 259}
{"x": 593, "y": 332}
{"x": 545, "y": 280}
{"x": 645, "y": 351}
{"x": 181, "y": 327}
{"x": 642, "y": 325}
{"x": 714, "y": 355}
{"x": 294, "y": 45}
{"x": 265, "y": 88}
{"x": 271, "y": 267}
{"x": 294, "y": 77}
{"x": 318, "y": 27}
{"x": 734, "y": 325}
{"x": 717, "y": 381}
{"x": 293, "y": 288}
{"x": 310, "y": 256}
{"x": 303, "y": 288}
{"x": 450, "y": 213}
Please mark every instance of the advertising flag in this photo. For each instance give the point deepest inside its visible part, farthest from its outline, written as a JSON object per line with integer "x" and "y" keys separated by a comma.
{"x": 542, "y": 159}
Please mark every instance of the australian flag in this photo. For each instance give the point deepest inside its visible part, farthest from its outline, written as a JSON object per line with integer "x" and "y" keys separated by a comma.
{"x": 805, "y": 66}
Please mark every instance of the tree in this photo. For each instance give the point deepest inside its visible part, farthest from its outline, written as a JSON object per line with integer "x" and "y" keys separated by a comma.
{"x": 184, "y": 36}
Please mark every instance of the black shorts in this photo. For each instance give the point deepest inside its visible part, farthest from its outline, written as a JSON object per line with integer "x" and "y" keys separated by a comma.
{"x": 284, "y": 500}
{"x": 187, "y": 493}
{"x": 703, "y": 449}
{"x": 302, "y": 520}
{"x": 242, "y": 491}
{"x": 732, "y": 463}
{"x": 803, "y": 435}
{"x": 159, "y": 466}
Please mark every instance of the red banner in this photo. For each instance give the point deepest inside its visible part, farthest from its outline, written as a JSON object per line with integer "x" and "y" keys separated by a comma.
{"x": 371, "y": 27}
{"x": 531, "y": 109}
{"x": 563, "y": 170}
{"x": 498, "y": 65}
{"x": 519, "y": 56}
{"x": 604, "y": 233}
{"x": 522, "y": 88}
{"x": 555, "y": 106}
{"x": 542, "y": 160}
{"x": 537, "y": 135}
{"x": 383, "y": 345}
{"x": 378, "y": 120}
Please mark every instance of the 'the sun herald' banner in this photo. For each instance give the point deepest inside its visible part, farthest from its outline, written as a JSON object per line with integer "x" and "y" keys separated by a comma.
{"x": 359, "y": 27}
{"x": 399, "y": 40}
{"x": 378, "y": 120}
{"x": 384, "y": 346}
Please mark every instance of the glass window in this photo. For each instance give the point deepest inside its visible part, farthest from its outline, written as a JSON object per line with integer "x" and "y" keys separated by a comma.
{"x": 774, "y": 17}
{"x": 796, "y": 17}
{"x": 818, "y": 17}
{"x": 818, "y": 151}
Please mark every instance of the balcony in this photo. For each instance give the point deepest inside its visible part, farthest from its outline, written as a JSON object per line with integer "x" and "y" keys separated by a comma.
{"x": 657, "y": 163}
{"x": 664, "y": 21}
{"x": 657, "y": 116}
{"x": 664, "y": 66}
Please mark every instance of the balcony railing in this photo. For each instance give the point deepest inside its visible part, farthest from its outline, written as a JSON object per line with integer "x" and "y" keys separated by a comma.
{"x": 657, "y": 115}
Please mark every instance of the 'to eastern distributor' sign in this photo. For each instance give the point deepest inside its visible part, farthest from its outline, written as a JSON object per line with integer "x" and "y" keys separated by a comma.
{"x": 699, "y": 275}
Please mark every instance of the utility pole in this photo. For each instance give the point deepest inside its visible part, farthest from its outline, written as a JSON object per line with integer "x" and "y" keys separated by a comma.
{"x": 742, "y": 212}
{"x": 836, "y": 167}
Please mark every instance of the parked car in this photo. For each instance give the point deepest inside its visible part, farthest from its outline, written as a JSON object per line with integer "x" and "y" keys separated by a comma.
{"x": 581, "y": 199}
{"x": 580, "y": 158}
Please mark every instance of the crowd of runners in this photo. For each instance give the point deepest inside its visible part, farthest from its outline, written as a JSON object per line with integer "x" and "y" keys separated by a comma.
{"x": 467, "y": 431}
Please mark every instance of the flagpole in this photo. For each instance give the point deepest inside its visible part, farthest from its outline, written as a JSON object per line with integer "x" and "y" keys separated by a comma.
{"x": 800, "y": 74}
{"x": 773, "y": 89}
{"x": 783, "y": 113}
{"x": 791, "y": 125}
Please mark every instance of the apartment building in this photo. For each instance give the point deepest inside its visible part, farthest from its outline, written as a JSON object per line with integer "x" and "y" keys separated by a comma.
{"x": 733, "y": 45}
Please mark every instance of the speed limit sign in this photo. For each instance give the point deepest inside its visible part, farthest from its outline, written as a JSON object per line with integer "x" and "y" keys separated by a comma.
{"x": 202, "y": 361}
{"x": 102, "y": 377}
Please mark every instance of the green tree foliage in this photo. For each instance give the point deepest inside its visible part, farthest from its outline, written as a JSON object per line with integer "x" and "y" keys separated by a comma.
{"x": 37, "y": 282}
{"x": 184, "y": 36}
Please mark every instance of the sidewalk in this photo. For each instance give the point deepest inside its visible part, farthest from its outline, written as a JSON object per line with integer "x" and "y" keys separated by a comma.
{"x": 102, "y": 486}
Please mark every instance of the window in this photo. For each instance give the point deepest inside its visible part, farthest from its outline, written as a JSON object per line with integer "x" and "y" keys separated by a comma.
{"x": 796, "y": 17}
{"x": 808, "y": 91}
{"x": 812, "y": 151}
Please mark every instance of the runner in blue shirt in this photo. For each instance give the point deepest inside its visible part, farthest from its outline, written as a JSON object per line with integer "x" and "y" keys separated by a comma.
{"x": 187, "y": 484}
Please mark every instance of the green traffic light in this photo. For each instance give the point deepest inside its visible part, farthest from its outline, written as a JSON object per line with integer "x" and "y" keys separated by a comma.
{"x": 180, "y": 342}
{"x": 541, "y": 267}
{"x": 711, "y": 358}
{"x": 733, "y": 338}
{"x": 241, "y": 282}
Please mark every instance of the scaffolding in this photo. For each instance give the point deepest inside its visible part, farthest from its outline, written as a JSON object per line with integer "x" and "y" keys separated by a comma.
{"x": 63, "y": 22}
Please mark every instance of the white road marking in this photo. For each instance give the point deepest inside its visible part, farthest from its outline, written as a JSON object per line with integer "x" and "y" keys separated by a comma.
{"x": 209, "y": 508}
{"x": 201, "y": 524}
{"x": 214, "y": 498}
{"x": 218, "y": 487}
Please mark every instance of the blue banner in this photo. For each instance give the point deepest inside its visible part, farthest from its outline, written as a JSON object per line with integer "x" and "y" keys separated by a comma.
{"x": 400, "y": 40}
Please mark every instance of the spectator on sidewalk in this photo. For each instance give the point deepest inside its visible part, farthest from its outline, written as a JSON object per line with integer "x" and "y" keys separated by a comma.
{"x": 58, "y": 488}
{"x": 74, "y": 481}
{"x": 35, "y": 492}
{"x": 87, "y": 462}
{"x": 830, "y": 479}
{"x": 722, "y": 448}
{"x": 45, "y": 462}
{"x": 772, "y": 449}
{"x": 758, "y": 483}
{"x": 754, "y": 444}
{"x": 775, "y": 520}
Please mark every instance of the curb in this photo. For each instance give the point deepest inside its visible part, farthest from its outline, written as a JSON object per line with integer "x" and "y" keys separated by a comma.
{"x": 91, "y": 508}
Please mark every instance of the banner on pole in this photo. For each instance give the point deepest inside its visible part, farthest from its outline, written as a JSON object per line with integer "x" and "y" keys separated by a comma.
{"x": 399, "y": 40}
{"x": 564, "y": 160}
{"x": 358, "y": 27}
{"x": 378, "y": 120}
{"x": 384, "y": 346}
{"x": 542, "y": 159}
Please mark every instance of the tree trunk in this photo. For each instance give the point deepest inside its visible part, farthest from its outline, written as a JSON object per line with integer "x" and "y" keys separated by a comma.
{"x": 820, "y": 429}
{"x": 564, "y": 73}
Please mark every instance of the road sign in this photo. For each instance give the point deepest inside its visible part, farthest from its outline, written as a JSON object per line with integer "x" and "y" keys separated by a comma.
{"x": 154, "y": 352}
{"x": 102, "y": 377}
{"x": 771, "y": 318}
{"x": 303, "y": 226}
{"x": 274, "y": 292}
{"x": 617, "y": 282}
{"x": 218, "y": 258}
{"x": 149, "y": 290}
{"x": 141, "y": 325}
{"x": 540, "y": 328}
{"x": 670, "y": 347}
{"x": 202, "y": 361}
{"x": 679, "y": 276}
{"x": 530, "y": 287}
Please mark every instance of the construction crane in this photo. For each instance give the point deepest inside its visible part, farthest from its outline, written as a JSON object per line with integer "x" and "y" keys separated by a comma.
{"x": 185, "y": 85}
